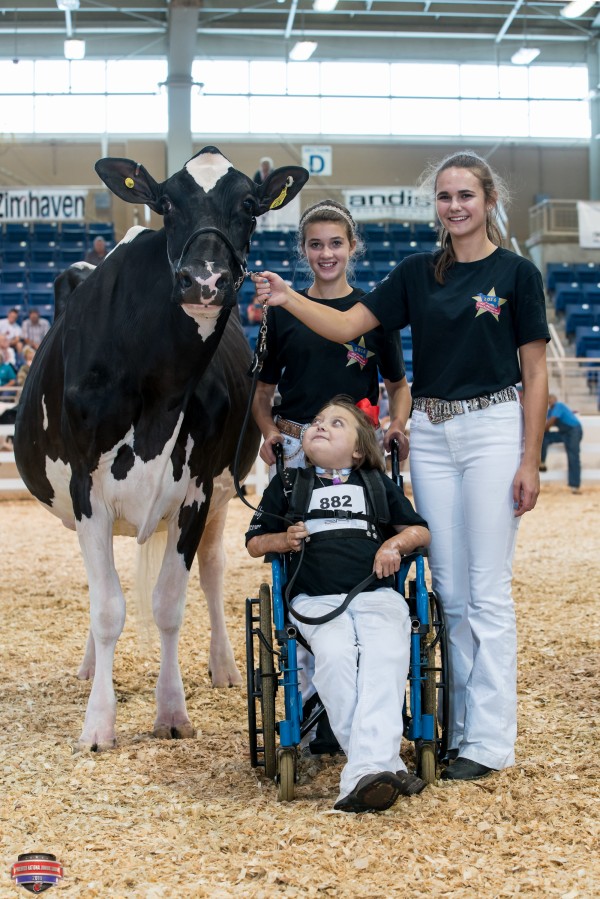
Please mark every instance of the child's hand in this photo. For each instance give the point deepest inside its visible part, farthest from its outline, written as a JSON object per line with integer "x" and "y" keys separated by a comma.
{"x": 295, "y": 535}
{"x": 387, "y": 560}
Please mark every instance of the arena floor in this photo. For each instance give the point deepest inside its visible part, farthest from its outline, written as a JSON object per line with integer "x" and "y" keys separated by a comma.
{"x": 162, "y": 819}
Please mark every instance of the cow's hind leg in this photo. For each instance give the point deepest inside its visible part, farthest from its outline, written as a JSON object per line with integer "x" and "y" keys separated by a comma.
{"x": 107, "y": 617}
{"x": 211, "y": 562}
{"x": 168, "y": 604}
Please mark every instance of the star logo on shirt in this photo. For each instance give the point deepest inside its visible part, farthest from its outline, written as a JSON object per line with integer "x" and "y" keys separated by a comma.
{"x": 488, "y": 302}
{"x": 357, "y": 352}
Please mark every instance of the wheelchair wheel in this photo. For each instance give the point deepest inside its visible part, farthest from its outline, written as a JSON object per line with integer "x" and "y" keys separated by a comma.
{"x": 435, "y": 692}
{"x": 261, "y": 682}
{"x": 268, "y": 680}
{"x": 286, "y": 774}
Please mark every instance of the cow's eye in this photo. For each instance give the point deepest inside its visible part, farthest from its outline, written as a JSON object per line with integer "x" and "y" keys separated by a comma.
{"x": 250, "y": 204}
{"x": 165, "y": 205}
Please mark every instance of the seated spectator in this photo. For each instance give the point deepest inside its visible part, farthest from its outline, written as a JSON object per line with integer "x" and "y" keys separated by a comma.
{"x": 28, "y": 354}
{"x": 11, "y": 327}
{"x": 98, "y": 252}
{"x": 34, "y": 329}
{"x": 254, "y": 312}
{"x": 7, "y": 353}
{"x": 8, "y": 375}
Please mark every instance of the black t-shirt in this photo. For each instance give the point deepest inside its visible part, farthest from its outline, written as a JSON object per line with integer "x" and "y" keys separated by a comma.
{"x": 336, "y": 564}
{"x": 465, "y": 332}
{"x": 310, "y": 370}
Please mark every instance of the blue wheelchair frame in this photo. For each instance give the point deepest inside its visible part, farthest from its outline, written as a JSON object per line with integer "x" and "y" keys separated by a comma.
{"x": 426, "y": 707}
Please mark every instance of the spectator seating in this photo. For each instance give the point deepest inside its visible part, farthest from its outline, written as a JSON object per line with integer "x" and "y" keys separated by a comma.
{"x": 587, "y": 341}
{"x": 580, "y": 315}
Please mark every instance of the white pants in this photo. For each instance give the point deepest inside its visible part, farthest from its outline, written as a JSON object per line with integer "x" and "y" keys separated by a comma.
{"x": 462, "y": 473}
{"x": 361, "y": 669}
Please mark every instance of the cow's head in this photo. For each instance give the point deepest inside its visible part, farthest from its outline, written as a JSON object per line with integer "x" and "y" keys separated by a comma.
{"x": 209, "y": 211}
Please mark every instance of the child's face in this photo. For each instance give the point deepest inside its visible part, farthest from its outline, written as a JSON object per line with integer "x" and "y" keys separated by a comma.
{"x": 330, "y": 440}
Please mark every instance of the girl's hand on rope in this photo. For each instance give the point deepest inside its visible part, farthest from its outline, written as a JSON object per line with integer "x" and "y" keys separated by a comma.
{"x": 266, "y": 451}
{"x": 295, "y": 535}
{"x": 270, "y": 288}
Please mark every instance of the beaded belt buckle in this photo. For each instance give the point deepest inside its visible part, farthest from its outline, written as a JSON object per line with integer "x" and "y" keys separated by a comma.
{"x": 438, "y": 411}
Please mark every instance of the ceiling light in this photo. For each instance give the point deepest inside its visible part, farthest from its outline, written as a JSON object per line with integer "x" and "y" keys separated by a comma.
{"x": 74, "y": 49}
{"x": 324, "y": 5}
{"x": 576, "y": 8}
{"x": 524, "y": 56}
{"x": 67, "y": 5}
{"x": 302, "y": 50}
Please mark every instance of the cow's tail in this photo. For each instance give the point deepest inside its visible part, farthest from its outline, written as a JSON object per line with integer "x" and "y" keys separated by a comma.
{"x": 149, "y": 558}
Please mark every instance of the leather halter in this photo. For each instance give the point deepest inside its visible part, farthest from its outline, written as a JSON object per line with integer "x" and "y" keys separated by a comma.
{"x": 239, "y": 260}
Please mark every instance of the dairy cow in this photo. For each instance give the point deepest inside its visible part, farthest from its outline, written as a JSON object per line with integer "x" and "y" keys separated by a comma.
{"x": 131, "y": 412}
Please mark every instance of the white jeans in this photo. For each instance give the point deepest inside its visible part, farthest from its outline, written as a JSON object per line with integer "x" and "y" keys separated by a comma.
{"x": 461, "y": 473}
{"x": 361, "y": 668}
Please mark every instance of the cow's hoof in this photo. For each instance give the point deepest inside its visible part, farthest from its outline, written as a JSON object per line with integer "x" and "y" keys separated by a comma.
{"x": 225, "y": 678}
{"x": 86, "y": 672}
{"x": 83, "y": 745}
{"x": 174, "y": 731}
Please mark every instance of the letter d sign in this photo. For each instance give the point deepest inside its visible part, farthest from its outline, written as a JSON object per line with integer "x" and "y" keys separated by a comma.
{"x": 317, "y": 160}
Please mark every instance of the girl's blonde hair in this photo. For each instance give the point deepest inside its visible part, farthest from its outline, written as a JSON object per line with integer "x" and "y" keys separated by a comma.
{"x": 366, "y": 439}
{"x": 495, "y": 194}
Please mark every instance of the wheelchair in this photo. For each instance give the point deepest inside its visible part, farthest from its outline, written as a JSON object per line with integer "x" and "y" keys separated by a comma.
{"x": 277, "y": 720}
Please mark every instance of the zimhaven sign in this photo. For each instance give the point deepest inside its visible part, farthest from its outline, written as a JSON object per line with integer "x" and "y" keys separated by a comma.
{"x": 397, "y": 203}
{"x": 40, "y": 204}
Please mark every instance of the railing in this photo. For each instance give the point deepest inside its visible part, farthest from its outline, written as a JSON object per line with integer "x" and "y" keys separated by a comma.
{"x": 575, "y": 381}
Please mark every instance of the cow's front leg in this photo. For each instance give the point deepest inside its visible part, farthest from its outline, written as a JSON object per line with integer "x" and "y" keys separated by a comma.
{"x": 107, "y": 617}
{"x": 168, "y": 604}
{"x": 211, "y": 563}
{"x": 88, "y": 663}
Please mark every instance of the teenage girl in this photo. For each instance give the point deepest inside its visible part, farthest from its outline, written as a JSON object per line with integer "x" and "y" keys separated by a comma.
{"x": 479, "y": 327}
{"x": 362, "y": 655}
{"x": 308, "y": 369}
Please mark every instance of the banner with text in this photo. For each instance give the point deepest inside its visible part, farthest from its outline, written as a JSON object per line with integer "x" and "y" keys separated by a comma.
{"x": 41, "y": 204}
{"x": 589, "y": 225}
{"x": 401, "y": 204}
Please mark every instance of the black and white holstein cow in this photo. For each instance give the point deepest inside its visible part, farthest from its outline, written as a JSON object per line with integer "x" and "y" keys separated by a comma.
{"x": 133, "y": 407}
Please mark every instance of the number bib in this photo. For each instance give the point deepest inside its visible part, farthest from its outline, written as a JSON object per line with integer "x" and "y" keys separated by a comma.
{"x": 337, "y": 497}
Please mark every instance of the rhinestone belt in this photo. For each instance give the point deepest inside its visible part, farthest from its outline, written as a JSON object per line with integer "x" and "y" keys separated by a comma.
{"x": 438, "y": 410}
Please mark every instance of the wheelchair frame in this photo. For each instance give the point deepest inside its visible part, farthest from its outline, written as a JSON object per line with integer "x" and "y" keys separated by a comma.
{"x": 426, "y": 710}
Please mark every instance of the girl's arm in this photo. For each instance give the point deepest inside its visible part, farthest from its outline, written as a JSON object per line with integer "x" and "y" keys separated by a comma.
{"x": 400, "y": 403}
{"x": 284, "y": 542}
{"x": 534, "y": 374}
{"x": 405, "y": 541}
{"x": 329, "y": 323}
{"x": 262, "y": 410}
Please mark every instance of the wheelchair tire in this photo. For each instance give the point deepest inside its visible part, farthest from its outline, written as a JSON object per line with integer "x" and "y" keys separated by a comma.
{"x": 435, "y": 695}
{"x": 286, "y": 774}
{"x": 268, "y": 681}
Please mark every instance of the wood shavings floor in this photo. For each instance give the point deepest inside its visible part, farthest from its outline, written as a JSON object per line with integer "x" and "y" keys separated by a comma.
{"x": 169, "y": 818}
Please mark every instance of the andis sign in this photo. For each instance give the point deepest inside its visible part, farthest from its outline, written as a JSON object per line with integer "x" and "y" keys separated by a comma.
{"x": 403, "y": 204}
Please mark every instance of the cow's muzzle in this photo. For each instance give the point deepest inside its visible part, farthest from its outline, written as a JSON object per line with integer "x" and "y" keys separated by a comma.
{"x": 238, "y": 273}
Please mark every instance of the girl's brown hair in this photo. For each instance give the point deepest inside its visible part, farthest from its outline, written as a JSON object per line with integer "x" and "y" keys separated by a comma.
{"x": 371, "y": 455}
{"x": 495, "y": 194}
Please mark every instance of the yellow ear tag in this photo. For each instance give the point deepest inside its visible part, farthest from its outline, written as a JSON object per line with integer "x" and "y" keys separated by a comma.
{"x": 129, "y": 182}
{"x": 281, "y": 198}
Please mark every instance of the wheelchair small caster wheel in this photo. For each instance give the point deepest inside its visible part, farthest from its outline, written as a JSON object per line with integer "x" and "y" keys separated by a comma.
{"x": 427, "y": 763}
{"x": 286, "y": 774}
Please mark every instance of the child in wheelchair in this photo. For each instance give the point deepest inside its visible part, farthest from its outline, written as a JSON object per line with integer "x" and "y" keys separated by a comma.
{"x": 341, "y": 594}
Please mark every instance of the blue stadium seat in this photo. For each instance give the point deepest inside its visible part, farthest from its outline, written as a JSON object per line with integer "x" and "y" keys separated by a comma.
{"x": 566, "y": 294}
{"x": 578, "y": 316}
{"x": 42, "y": 272}
{"x": 559, "y": 273}
{"x": 5, "y": 306}
{"x": 365, "y": 284}
{"x": 587, "y": 273}
{"x": 251, "y": 332}
{"x": 40, "y": 294}
{"x": 12, "y": 295}
{"x": 101, "y": 229}
{"x": 380, "y": 250}
{"x": 43, "y": 251}
{"x": 45, "y": 310}
{"x": 44, "y": 232}
{"x": 68, "y": 255}
{"x": 381, "y": 269}
{"x": 425, "y": 232}
{"x": 403, "y": 248}
{"x": 586, "y": 340}
{"x": 399, "y": 231}
{"x": 13, "y": 272}
{"x": 591, "y": 294}
{"x": 15, "y": 252}
{"x": 373, "y": 231}
{"x": 15, "y": 232}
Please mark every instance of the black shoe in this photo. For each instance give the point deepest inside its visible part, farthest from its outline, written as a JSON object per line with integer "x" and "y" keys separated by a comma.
{"x": 378, "y": 792}
{"x": 542, "y": 467}
{"x": 465, "y": 769}
{"x": 451, "y": 756}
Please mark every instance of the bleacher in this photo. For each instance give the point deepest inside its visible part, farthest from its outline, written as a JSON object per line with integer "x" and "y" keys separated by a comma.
{"x": 32, "y": 255}
{"x": 386, "y": 244}
{"x": 574, "y": 294}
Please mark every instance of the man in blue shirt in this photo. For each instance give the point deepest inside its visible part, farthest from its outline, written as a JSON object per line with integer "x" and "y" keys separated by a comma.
{"x": 569, "y": 432}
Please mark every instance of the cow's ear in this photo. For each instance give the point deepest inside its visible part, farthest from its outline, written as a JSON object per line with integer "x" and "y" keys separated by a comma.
{"x": 130, "y": 181}
{"x": 281, "y": 186}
